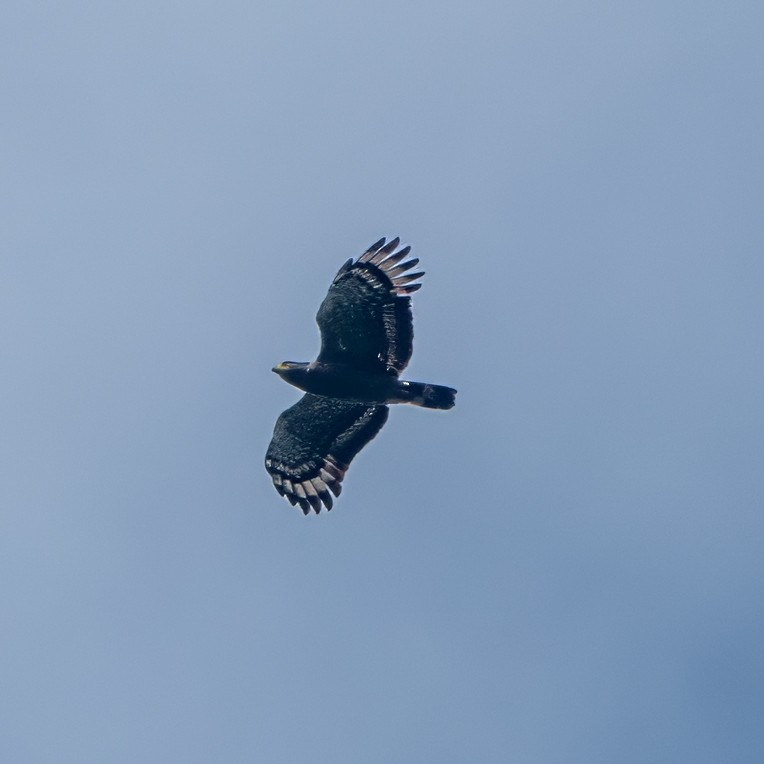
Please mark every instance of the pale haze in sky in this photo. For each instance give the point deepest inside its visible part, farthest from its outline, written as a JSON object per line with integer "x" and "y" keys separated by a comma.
{"x": 567, "y": 567}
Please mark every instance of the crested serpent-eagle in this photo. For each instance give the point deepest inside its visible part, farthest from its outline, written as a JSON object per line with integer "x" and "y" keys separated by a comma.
{"x": 366, "y": 342}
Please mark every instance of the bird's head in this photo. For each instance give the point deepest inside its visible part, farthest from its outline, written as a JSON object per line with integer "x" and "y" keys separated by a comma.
{"x": 293, "y": 372}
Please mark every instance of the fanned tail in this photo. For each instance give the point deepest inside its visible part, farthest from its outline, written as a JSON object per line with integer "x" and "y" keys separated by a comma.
{"x": 427, "y": 395}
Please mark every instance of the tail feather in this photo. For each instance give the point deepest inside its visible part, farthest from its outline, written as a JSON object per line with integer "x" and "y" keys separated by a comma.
{"x": 427, "y": 395}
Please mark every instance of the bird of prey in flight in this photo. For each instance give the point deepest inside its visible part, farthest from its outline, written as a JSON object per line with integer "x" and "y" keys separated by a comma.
{"x": 366, "y": 342}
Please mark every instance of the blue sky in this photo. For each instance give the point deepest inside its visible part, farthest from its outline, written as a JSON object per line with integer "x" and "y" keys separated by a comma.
{"x": 567, "y": 567}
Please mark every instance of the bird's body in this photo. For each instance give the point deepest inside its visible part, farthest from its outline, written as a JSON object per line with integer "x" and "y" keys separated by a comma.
{"x": 337, "y": 380}
{"x": 366, "y": 342}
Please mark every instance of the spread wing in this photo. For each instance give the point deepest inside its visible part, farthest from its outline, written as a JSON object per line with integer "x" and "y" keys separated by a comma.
{"x": 365, "y": 319}
{"x": 314, "y": 442}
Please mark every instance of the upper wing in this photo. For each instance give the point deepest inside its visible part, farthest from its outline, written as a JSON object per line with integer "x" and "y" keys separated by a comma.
{"x": 314, "y": 442}
{"x": 365, "y": 319}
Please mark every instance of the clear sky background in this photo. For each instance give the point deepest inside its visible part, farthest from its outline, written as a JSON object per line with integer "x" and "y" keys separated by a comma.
{"x": 567, "y": 567}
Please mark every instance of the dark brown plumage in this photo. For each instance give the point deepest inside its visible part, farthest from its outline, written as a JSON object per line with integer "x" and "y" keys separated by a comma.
{"x": 366, "y": 342}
